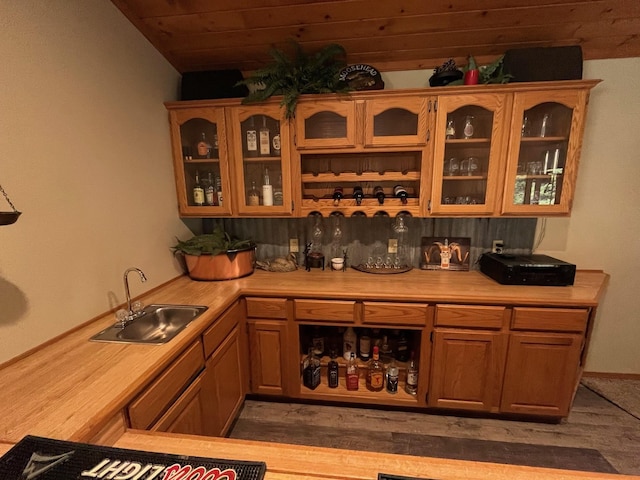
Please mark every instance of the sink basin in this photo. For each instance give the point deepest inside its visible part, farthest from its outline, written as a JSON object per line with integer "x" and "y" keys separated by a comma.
{"x": 159, "y": 324}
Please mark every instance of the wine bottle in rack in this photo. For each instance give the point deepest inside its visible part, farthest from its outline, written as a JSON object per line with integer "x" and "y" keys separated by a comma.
{"x": 378, "y": 192}
{"x": 358, "y": 194}
{"x": 400, "y": 192}
{"x": 337, "y": 196}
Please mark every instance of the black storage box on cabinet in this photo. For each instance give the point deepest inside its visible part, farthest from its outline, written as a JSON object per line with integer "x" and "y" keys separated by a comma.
{"x": 212, "y": 84}
{"x": 527, "y": 269}
{"x": 541, "y": 64}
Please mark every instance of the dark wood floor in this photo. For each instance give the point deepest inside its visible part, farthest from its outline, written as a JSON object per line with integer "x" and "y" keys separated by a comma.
{"x": 594, "y": 426}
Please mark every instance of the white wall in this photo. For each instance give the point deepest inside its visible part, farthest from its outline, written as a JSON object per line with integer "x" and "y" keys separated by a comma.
{"x": 603, "y": 231}
{"x": 85, "y": 155}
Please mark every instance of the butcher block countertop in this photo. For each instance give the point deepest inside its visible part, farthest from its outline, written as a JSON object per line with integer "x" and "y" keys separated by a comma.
{"x": 69, "y": 388}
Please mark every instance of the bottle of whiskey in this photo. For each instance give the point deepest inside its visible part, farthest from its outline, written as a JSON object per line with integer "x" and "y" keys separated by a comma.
{"x": 251, "y": 140}
{"x": 411, "y": 387}
{"x": 278, "y": 197}
{"x": 365, "y": 345}
{"x": 265, "y": 139}
{"x": 375, "y": 373}
{"x": 267, "y": 190}
{"x": 450, "y": 131}
{"x": 333, "y": 370}
{"x": 352, "y": 373}
{"x": 198, "y": 191}
{"x": 219, "y": 190}
{"x": 203, "y": 147}
{"x": 275, "y": 141}
{"x": 392, "y": 378}
{"x": 349, "y": 340}
{"x": 210, "y": 191}
{"x": 254, "y": 196}
{"x": 311, "y": 372}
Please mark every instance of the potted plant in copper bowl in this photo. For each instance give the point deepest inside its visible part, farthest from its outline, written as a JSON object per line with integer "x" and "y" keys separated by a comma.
{"x": 217, "y": 256}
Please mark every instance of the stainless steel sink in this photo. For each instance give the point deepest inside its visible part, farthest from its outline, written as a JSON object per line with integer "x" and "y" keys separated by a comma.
{"x": 159, "y": 324}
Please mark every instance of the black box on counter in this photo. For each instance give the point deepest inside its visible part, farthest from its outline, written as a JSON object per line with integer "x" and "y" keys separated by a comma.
{"x": 527, "y": 269}
{"x": 38, "y": 458}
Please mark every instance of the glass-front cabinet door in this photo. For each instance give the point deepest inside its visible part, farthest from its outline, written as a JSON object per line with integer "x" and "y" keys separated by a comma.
{"x": 544, "y": 146}
{"x": 261, "y": 165}
{"x": 326, "y": 123}
{"x": 396, "y": 121}
{"x": 200, "y": 161}
{"x": 468, "y": 150}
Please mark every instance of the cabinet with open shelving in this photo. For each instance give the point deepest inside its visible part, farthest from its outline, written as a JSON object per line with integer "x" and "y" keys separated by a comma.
{"x": 331, "y": 346}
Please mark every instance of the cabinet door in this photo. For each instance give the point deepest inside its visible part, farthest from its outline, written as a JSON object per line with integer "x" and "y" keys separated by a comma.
{"x": 545, "y": 140}
{"x": 186, "y": 415}
{"x": 260, "y": 160}
{"x": 224, "y": 384}
{"x": 552, "y": 364}
{"x": 200, "y": 161}
{"x": 396, "y": 121}
{"x": 470, "y": 133}
{"x": 267, "y": 340}
{"x": 326, "y": 124}
{"x": 467, "y": 368}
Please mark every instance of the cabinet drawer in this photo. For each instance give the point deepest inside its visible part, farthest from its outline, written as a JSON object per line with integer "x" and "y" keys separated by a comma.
{"x": 550, "y": 319}
{"x": 216, "y": 333}
{"x": 469, "y": 316}
{"x": 267, "y": 308}
{"x": 157, "y": 397}
{"x": 394, "y": 313}
{"x": 326, "y": 310}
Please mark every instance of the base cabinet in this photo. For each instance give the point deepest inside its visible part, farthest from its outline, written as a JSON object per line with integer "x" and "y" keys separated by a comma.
{"x": 223, "y": 385}
{"x": 267, "y": 347}
{"x": 186, "y": 415}
{"x": 466, "y": 372}
{"x": 541, "y": 373}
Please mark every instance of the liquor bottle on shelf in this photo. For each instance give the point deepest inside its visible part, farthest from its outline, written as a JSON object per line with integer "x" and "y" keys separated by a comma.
{"x": 210, "y": 191}
{"x": 251, "y": 140}
{"x": 378, "y": 192}
{"x": 358, "y": 194}
{"x": 392, "y": 378}
{"x": 311, "y": 371}
{"x": 275, "y": 141}
{"x": 265, "y": 139}
{"x": 254, "y": 195}
{"x": 400, "y": 192}
{"x": 278, "y": 198}
{"x": 545, "y": 125}
{"x": 352, "y": 373}
{"x": 411, "y": 387}
{"x": 349, "y": 340}
{"x": 267, "y": 190}
{"x": 333, "y": 371}
{"x": 203, "y": 147}
{"x": 219, "y": 190}
{"x": 450, "y": 131}
{"x": 216, "y": 147}
{"x": 198, "y": 191}
{"x": 337, "y": 196}
{"x": 317, "y": 341}
{"x": 365, "y": 345}
{"x": 375, "y": 373}
{"x": 402, "y": 348}
{"x": 386, "y": 354}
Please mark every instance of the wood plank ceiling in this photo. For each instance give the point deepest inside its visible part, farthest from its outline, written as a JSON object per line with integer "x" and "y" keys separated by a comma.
{"x": 388, "y": 34}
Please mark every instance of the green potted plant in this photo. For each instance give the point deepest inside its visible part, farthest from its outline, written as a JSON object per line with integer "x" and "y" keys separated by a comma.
{"x": 216, "y": 256}
{"x": 292, "y": 77}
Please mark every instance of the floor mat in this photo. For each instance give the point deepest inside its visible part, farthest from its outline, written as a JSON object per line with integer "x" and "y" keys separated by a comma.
{"x": 625, "y": 393}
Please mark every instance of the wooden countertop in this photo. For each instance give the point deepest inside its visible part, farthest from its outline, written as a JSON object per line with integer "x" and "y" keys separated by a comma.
{"x": 70, "y": 387}
{"x": 288, "y": 462}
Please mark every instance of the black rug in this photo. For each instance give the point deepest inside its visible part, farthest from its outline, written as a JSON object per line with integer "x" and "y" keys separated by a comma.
{"x": 568, "y": 458}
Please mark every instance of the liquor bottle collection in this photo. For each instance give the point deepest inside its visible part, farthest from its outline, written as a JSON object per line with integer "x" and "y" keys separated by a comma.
{"x": 382, "y": 357}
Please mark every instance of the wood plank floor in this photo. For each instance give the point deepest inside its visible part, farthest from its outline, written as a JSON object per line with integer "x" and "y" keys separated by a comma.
{"x": 594, "y": 424}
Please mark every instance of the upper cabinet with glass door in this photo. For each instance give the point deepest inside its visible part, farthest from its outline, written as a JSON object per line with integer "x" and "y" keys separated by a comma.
{"x": 261, "y": 165}
{"x": 362, "y": 120}
{"x": 200, "y": 161}
{"x": 468, "y": 151}
{"x": 544, "y": 146}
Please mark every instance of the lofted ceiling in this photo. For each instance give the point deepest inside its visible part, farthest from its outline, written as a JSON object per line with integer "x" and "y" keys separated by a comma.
{"x": 389, "y": 34}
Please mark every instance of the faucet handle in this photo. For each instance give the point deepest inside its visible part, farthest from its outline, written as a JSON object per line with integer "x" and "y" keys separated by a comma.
{"x": 121, "y": 316}
{"x": 137, "y": 306}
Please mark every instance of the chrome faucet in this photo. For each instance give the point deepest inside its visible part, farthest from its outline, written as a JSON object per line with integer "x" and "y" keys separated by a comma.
{"x": 130, "y": 313}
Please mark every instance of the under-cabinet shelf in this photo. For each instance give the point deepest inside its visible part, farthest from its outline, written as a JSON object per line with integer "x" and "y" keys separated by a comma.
{"x": 261, "y": 159}
{"x": 202, "y": 160}
{"x": 465, "y": 177}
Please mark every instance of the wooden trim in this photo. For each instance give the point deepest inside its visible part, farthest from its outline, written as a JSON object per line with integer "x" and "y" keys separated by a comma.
{"x": 619, "y": 376}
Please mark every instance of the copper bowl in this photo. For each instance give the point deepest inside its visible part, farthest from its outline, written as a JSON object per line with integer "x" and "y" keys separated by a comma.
{"x": 7, "y": 218}
{"x": 225, "y": 266}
